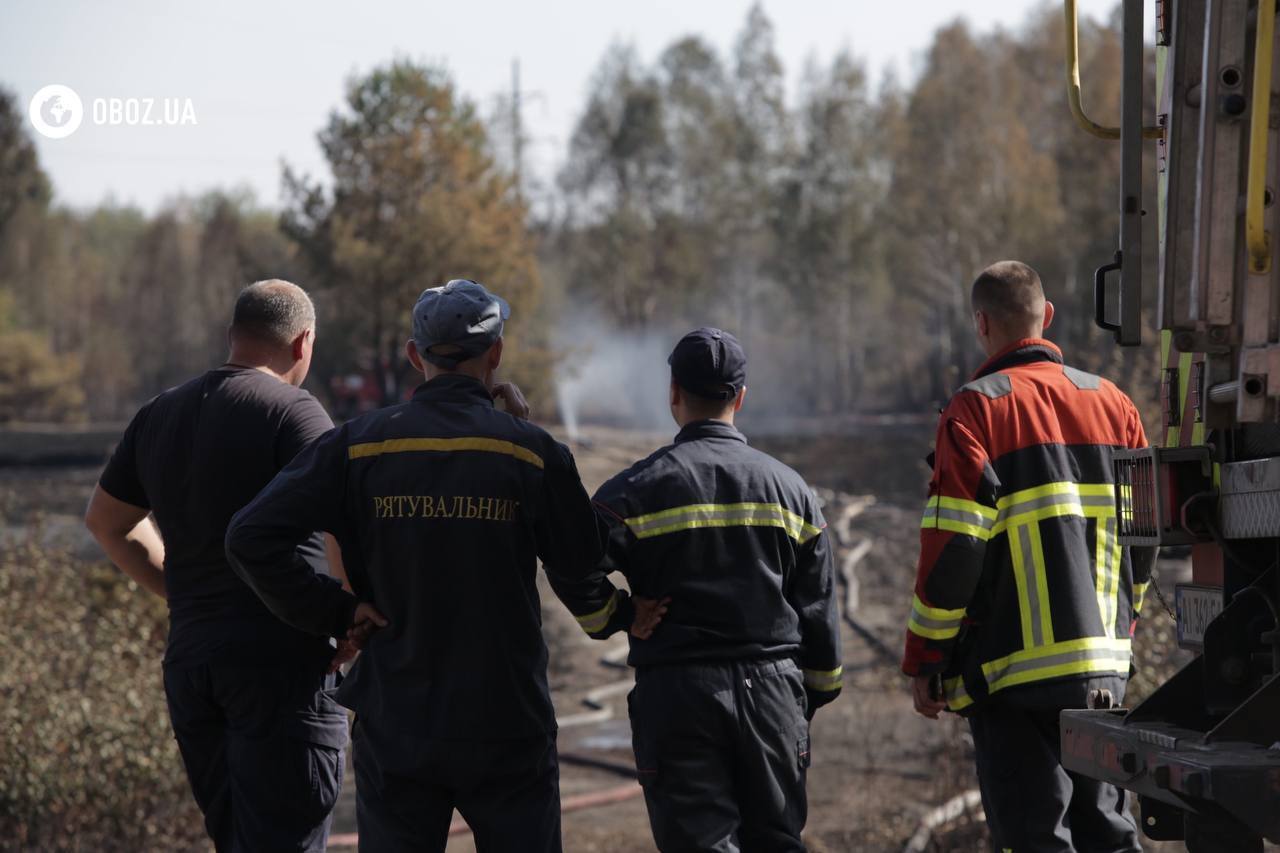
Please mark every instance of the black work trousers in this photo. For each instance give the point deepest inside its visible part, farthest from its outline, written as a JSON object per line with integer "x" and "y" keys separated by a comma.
{"x": 263, "y": 749}
{"x": 1033, "y": 804}
{"x": 407, "y": 787}
{"x": 722, "y": 750}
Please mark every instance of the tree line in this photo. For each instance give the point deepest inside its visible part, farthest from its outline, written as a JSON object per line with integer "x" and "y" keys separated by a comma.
{"x": 835, "y": 228}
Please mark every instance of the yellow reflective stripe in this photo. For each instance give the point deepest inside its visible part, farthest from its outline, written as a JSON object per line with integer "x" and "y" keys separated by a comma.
{"x": 1052, "y": 500}
{"x": 1102, "y": 573}
{"x": 824, "y": 680}
{"x": 1117, "y": 556}
{"x": 1139, "y": 594}
{"x": 1042, "y": 585}
{"x": 694, "y": 516}
{"x": 597, "y": 621}
{"x": 964, "y": 505}
{"x": 1065, "y": 487}
{"x": 444, "y": 445}
{"x": 1070, "y": 657}
{"x": 1027, "y": 552}
{"x": 915, "y": 627}
{"x": 934, "y": 623}
{"x": 1020, "y": 558}
{"x": 956, "y": 527}
{"x": 957, "y": 697}
{"x": 957, "y": 515}
{"x": 1038, "y": 515}
{"x": 935, "y": 612}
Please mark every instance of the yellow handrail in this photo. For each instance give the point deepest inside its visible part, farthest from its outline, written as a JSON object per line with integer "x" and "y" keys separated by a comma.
{"x": 1073, "y": 83}
{"x": 1255, "y": 233}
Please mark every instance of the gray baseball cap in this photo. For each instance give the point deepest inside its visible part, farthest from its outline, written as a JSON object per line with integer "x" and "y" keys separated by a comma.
{"x": 457, "y": 322}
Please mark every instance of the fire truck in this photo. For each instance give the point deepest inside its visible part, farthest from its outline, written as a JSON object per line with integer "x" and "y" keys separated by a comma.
{"x": 1202, "y": 753}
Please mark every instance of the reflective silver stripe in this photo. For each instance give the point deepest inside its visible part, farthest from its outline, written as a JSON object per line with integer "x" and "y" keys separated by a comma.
{"x": 959, "y": 515}
{"x": 954, "y": 692}
{"x": 1108, "y": 533}
{"x": 1076, "y": 498}
{"x": 962, "y": 516}
{"x": 1054, "y": 500}
{"x": 935, "y": 624}
{"x": 1029, "y": 574}
{"x": 1008, "y": 669}
{"x": 722, "y": 515}
{"x": 824, "y": 680}
{"x": 595, "y": 622}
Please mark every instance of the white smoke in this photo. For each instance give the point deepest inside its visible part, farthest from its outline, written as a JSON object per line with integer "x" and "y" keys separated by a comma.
{"x": 614, "y": 377}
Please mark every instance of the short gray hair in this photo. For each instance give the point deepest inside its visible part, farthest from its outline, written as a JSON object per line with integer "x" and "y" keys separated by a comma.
{"x": 1009, "y": 291}
{"x": 273, "y": 311}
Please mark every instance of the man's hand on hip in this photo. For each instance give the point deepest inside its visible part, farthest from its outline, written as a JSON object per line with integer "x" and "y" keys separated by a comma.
{"x": 649, "y": 612}
{"x": 364, "y": 623}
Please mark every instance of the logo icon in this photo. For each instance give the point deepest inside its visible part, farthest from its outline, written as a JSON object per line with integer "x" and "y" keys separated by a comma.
{"x": 56, "y": 111}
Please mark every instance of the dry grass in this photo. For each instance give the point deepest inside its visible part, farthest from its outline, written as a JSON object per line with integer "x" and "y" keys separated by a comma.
{"x": 89, "y": 757}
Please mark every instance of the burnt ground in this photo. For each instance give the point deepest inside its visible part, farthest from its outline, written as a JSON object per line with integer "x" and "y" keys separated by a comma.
{"x": 877, "y": 767}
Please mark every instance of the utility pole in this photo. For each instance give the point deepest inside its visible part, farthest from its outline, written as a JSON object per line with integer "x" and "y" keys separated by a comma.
{"x": 517, "y": 130}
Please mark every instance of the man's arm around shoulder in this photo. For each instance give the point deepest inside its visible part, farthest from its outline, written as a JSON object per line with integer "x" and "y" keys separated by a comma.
{"x": 580, "y": 545}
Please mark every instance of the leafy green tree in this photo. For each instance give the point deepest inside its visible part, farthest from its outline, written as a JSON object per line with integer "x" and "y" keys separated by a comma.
{"x": 36, "y": 384}
{"x": 829, "y": 235}
{"x": 416, "y": 200}
{"x": 970, "y": 186}
{"x": 619, "y": 182}
{"x": 22, "y": 182}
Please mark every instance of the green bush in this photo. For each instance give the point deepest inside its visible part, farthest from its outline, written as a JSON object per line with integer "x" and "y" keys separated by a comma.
{"x": 87, "y": 756}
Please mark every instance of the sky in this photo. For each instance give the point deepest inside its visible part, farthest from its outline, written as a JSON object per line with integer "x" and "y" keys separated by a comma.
{"x": 260, "y": 77}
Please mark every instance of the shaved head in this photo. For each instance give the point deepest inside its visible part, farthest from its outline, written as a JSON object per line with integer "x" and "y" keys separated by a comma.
{"x": 273, "y": 312}
{"x": 1010, "y": 293}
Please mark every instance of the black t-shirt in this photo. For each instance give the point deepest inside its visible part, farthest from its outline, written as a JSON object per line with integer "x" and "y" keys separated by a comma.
{"x": 194, "y": 456}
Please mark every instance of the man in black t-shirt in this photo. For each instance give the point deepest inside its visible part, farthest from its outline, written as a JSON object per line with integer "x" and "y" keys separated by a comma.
{"x": 262, "y": 743}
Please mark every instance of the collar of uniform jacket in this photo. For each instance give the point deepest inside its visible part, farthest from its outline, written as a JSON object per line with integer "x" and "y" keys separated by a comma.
{"x": 709, "y": 429}
{"x": 1024, "y": 351}
{"x": 452, "y": 387}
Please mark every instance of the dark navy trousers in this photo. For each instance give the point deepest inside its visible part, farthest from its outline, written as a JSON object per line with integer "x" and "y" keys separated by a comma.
{"x": 407, "y": 787}
{"x": 263, "y": 749}
{"x": 722, "y": 751}
{"x": 1033, "y": 804}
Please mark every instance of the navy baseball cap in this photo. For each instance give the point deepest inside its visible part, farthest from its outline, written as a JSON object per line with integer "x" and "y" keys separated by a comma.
{"x": 709, "y": 363}
{"x": 457, "y": 322}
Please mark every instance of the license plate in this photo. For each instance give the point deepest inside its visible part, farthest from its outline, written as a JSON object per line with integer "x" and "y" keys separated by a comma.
{"x": 1197, "y": 607}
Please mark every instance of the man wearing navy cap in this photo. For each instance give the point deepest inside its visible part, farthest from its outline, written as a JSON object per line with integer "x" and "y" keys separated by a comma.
{"x": 730, "y": 541}
{"x": 442, "y": 506}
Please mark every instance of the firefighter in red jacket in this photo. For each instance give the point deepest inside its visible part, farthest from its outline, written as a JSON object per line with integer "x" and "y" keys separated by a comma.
{"x": 1025, "y": 602}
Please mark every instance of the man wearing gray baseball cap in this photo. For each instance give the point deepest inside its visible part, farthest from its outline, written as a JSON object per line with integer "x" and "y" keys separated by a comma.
{"x": 443, "y": 506}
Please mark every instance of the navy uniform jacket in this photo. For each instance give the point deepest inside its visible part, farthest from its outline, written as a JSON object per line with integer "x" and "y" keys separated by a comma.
{"x": 735, "y": 538}
{"x": 442, "y": 506}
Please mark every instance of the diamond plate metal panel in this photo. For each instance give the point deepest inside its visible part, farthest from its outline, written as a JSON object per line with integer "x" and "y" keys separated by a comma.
{"x": 1250, "y": 515}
